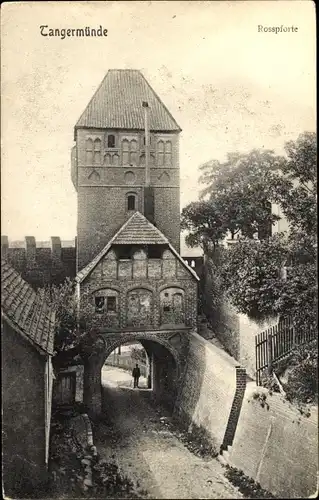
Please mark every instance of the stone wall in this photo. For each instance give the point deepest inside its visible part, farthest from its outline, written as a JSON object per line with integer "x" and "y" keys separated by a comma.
{"x": 208, "y": 397}
{"x": 51, "y": 262}
{"x": 277, "y": 447}
{"x": 140, "y": 288}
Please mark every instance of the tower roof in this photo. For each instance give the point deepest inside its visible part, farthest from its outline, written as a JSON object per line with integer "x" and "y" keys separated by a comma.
{"x": 117, "y": 103}
{"x": 137, "y": 230}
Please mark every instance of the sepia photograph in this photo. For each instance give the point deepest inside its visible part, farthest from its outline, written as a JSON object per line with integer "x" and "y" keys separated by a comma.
{"x": 159, "y": 288}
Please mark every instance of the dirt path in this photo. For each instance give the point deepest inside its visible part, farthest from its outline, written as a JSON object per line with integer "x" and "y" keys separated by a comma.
{"x": 148, "y": 453}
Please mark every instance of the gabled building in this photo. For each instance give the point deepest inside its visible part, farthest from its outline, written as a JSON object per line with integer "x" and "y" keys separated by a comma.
{"x": 138, "y": 288}
{"x": 139, "y": 281}
{"x": 27, "y": 334}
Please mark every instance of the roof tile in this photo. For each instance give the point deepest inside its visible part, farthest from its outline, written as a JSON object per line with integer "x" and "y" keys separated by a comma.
{"x": 137, "y": 230}
{"x": 26, "y": 309}
{"x": 117, "y": 103}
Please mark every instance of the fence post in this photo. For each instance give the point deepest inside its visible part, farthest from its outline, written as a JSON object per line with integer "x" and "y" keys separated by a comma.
{"x": 269, "y": 351}
{"x": 293, "y": 334}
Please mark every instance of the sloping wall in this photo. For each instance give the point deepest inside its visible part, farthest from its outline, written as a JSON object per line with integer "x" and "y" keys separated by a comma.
{"x": 277, "y": 447}
{"x": 208, "y": 396}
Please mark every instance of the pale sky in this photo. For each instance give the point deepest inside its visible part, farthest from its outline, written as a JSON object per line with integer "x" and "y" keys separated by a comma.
{"x": 229, "y": 87}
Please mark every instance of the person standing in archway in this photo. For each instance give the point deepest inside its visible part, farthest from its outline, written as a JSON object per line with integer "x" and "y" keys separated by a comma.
{"x": 136, "y": 373}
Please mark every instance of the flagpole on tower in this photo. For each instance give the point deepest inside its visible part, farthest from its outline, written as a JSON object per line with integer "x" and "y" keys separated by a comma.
{"x": 147, "y": 144}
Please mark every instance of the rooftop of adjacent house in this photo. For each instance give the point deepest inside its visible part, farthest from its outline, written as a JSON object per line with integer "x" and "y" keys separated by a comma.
{"x": 117, "y": 104}
{"x": 137, "y": 230}
{"x": 26, "y": 309}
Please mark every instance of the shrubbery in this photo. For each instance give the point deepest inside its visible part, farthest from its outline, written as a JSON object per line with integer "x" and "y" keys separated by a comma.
{"x": 302, "y": 384}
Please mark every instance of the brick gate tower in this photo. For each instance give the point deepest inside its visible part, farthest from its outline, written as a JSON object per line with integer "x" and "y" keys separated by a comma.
{"x": 131, "y": 281}
{"x": 125, "y": 159}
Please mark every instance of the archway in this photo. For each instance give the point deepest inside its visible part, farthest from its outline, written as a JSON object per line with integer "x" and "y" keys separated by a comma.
{"x": 164, "y": 361}
{"x": 162, "y": 367}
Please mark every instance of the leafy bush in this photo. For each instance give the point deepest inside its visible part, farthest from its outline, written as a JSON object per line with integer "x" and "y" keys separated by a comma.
{"x": 302, "y": 384}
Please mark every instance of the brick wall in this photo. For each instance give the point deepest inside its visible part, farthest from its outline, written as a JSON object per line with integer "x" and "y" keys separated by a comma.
{"x": 209, "y": 389}
{"x": 102, "y": 191}
{"x": 122, "y": 278}
{"x": 277, "y": 447}
{"x": 23, "y": 415}
{"x": 167, "y": 213}
{"x": 236, "y": 407}
{"x": 40, "y": 266}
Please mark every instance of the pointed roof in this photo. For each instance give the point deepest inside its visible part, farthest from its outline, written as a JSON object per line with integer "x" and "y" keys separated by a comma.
{"x": 117, "y": 103}
{"x": 26, "y": 310}
{"x": 137, "y": 230}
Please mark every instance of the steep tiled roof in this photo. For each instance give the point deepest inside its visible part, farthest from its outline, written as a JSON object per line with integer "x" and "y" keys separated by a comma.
{"x": 117, "y": 103}
{"x": 26, "y": 309}
{"x": 137, "y": 230}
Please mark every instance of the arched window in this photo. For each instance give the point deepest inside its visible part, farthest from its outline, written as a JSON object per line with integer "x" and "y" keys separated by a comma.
{"x": 133, "y": 158}
{"x": 131, "y": 201}
{"x": 106, "y": 301}
{"x": 160, "y": 153}
{"x": 133, "y": 145}
{"x": 97, "y": 152}
{"x": 133, "y": 152}
{"x": 106, "y": 305}
{"x": 142, "y": 159}
{"x": 89, "y": 152}
{"x": 111, "y": 141}
{"x": 193, "y": 263}
{"x": 168, "y": 153}
{"x": 139, "y": 307}
{"x": 125, "y": 152}
{"x": 172, "y": 306}
{"x": 108, "y": 159}
{"x": 115, "y": 160}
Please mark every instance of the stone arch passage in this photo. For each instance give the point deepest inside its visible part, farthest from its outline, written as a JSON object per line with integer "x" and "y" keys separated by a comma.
{"x": 165, "y": 370}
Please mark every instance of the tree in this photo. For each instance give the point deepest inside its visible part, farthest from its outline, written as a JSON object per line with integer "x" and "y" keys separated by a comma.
{"x": 296, "y": 188}
{"x": 236, "y": 199}
{"x": 139, "y": 354}
{"x": 250, "y": 273}
{"x": 75, "y": 331}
